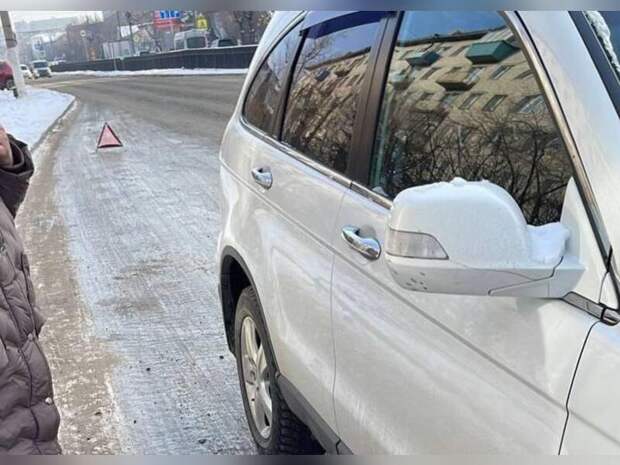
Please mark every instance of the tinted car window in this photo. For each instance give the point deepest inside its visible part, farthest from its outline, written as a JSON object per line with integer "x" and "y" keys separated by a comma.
{"x": 477, "y": 125}
{"x": 196, "y": 42}
{"x": 264, "y": 95}
{"x": 323, "y": 101}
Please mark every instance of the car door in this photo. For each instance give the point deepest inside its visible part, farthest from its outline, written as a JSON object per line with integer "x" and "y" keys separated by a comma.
{"x": 593, "y": 425}
{"x": 296, "y": 152}
{"x": 429, "y": 373}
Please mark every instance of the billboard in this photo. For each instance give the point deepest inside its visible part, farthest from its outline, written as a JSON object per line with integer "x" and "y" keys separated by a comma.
{"x": 165, "y": 19}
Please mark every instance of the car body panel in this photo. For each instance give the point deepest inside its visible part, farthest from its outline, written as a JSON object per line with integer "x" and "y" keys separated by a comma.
{"x": 285, "y": 233}
{"x": 592, "y": 119}
{"x": 430, "y": 373}
{"x": 594, "y": 420}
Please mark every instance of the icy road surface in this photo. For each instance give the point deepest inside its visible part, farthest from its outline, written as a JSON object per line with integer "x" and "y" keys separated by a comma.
{"x": 122, "y": 244}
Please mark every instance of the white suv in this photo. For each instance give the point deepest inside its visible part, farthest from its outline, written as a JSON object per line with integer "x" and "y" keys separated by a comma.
{"x": 419, "y": 218}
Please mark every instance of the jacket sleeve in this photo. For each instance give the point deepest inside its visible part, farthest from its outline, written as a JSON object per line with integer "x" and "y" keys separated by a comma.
{"x": 14, "y": 180}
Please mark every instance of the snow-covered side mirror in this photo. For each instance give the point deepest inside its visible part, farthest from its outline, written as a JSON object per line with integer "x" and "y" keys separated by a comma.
{"x": 471, "y": 238}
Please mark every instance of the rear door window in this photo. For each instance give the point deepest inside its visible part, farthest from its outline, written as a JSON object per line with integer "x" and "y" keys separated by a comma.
{"x": 263, "y": 98}
{"x": 325, "y": 91}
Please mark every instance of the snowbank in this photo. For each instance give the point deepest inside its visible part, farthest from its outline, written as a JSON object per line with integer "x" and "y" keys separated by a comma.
{"x": 160, "y": 72}
{"x": 29, "y": 117}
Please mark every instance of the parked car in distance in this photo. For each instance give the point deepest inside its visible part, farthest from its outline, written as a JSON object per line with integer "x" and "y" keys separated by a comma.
{"x": 192, "y": 39}
{"x": 418, "y": 217}
{"x": 26, "y": 72}
{"x": 226, "y": 42}
{"x": 6, "y": 76}
{"x": 40, "y": 68}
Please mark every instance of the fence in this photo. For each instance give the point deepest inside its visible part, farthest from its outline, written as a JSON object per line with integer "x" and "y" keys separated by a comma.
{"x": 225, "y": 58}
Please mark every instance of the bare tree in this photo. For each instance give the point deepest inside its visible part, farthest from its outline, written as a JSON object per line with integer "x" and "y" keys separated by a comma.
{"x": 251, "y": 24}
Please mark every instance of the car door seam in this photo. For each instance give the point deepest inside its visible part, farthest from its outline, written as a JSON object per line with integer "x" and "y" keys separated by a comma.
{"x": 335, "y": 236}
{"x": 570, "y": 388}
{"x": 449, "y": 331}
{"x": 279, "y": 210}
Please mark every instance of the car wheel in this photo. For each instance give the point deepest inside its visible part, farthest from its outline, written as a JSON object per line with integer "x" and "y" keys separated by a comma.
{"x": 274, "y": 427}
{"x": 10, "y": 84}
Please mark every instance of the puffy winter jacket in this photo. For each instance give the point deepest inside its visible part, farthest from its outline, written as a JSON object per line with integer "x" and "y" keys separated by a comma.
{"x": 29, "y": 419}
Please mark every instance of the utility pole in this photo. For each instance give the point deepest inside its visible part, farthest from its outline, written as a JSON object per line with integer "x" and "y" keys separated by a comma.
{"x": 171, "y": 24}
{"x": 12, "y": 54}
{"x": 119, "y": 36}
{"x": 133, "y": 46}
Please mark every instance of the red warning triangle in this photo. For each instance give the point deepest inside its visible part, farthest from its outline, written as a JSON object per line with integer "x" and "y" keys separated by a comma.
{"x": 108, "y": 138}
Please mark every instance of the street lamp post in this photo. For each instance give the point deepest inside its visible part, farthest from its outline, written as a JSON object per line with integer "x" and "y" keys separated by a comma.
{"x": 133, "y": 46}
{"x": 12, "y": 54}
{"x": 84, "y": 44}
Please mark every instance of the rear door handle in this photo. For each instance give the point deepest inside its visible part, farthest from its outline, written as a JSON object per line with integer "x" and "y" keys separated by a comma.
{"x": 369, "y": 247}
{"x": 263, "y": 177}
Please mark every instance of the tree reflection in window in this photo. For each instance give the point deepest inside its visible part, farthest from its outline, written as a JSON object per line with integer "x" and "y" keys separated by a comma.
{"x": 266, "y": 89}
{"x": 499, "y": 129}
{"x": 323, "y": 100}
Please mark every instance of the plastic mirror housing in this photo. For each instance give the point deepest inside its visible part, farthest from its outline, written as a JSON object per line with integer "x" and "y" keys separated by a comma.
{"x": 489, "y": 248}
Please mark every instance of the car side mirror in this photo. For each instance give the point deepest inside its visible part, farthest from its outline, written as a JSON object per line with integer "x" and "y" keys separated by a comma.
{"x": 471, "y": 238}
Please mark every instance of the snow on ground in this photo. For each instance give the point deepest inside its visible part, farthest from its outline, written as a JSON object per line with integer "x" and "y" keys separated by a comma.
{"x": 29, "y": 117}
{"x": 161, "y": 72}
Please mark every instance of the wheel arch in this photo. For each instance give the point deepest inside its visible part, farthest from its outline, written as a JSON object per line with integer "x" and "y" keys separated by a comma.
{"x": 235, "y": 276}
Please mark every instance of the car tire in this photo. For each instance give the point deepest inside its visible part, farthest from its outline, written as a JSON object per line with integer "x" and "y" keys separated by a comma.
{"x": 10, "y": 84}
{"x": 283, "y": 433}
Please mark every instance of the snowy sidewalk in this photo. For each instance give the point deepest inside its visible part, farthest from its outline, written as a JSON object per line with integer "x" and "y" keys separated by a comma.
{"x": 28, "y": 118}
{"x": 161, "y": 72}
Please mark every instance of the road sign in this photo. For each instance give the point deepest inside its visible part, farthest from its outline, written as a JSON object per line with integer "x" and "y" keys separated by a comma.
{"x": 169, "y": 14}
{"x": 201, "y": 22}
{"x": 166, "y": 18}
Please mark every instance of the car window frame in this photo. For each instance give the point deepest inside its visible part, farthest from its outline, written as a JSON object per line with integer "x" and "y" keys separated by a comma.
{"x": 373, "y": 110}
{"x": 513, "y": 20}
{"x": 275, "y": 139}
{"x": 358, "y": 126}
{"x": 609, "y": 77}
{"x": 287, "y": 74}
{"x": 358, "y": 173}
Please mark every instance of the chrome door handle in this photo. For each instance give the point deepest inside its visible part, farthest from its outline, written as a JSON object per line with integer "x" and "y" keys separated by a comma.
{"x": 263, "y": 177}
{"x": 369, "y": 247}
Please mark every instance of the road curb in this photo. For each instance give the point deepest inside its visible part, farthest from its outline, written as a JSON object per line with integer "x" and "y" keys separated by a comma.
{"x": 44, "y": 135}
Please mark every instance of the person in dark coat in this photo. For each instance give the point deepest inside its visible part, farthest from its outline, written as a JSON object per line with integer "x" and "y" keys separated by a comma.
{"x": 29, "y": 419}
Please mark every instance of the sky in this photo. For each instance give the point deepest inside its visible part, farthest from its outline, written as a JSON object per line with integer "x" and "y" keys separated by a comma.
{"x": 32, "y": 15}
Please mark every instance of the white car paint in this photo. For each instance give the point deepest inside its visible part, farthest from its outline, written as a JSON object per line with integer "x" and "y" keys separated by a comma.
{"x": 395, "y": 371}
{"x": 450, "y": 374}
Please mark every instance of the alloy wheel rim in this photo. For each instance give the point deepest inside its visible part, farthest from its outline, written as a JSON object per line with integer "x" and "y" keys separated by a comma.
{"x": 256, "y": 377}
